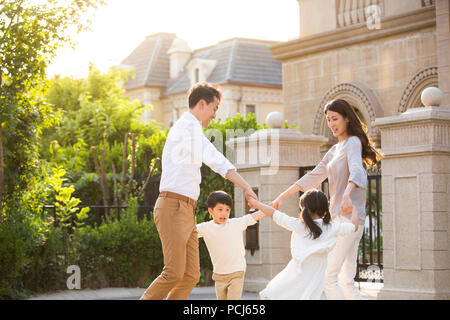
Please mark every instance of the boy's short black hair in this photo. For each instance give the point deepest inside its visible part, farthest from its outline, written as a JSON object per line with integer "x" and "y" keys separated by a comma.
{"x": 219, "y": 196}
{"x": 205, "y": 91}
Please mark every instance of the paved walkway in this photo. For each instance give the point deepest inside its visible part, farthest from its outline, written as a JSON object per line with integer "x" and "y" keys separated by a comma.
{"x": 368, "y": 290}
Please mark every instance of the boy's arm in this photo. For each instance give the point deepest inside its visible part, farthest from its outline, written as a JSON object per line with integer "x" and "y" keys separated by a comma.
{"x": 199, "y": 230}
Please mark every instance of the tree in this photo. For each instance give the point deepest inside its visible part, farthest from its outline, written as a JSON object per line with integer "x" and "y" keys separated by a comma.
{"x": 101, "y": 140}
{"x": 30, "y": 33}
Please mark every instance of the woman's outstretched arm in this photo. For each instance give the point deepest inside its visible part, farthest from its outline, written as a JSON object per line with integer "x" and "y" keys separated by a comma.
{"x": 310, "y": 180}
{"x": 279, "y": 200}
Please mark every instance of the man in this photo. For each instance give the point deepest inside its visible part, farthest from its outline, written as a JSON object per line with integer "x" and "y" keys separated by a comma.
{"x": 185, "y": 150}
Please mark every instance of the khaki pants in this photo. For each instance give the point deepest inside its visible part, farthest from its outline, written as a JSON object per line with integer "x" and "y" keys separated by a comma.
{"x": 175, "y": 221}
{"x": 229, "y": 286}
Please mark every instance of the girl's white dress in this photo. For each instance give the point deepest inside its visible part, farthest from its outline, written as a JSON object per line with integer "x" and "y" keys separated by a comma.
{"x": 304, "y": 276}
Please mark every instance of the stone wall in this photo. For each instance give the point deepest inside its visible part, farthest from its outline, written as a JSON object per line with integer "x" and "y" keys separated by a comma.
{"x": 317, "y": 16}
{"x": 443, "y": 47}
{"x": 386, "y": 66}
{"x": 415, "y": 193}
{"x": 385, "y": 61}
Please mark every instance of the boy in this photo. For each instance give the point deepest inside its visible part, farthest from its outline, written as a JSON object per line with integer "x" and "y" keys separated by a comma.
{"x": 224, "y": 240}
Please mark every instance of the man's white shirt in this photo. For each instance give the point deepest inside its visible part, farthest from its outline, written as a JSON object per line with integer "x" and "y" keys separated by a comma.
{"x": 185, "y": 150}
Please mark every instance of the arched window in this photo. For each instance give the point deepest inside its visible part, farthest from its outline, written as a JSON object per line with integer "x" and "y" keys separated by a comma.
{"x": 363, "y": 101}
{"x": 411, "y": 96}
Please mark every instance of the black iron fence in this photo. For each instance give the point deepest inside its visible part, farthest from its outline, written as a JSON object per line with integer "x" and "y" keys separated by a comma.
{"x": 370, "y": 255}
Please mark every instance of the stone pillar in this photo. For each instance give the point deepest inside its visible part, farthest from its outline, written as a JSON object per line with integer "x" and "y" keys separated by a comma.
{"x": 270, "y": 160}
{"x": 443, "y": 47}
{"x": 415, "y": 196}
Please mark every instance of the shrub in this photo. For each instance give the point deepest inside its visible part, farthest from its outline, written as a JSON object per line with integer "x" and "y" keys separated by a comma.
{"x": 32, "y": 252}
{"x": 118, "y": 253}
{"x": 15, "y": 240}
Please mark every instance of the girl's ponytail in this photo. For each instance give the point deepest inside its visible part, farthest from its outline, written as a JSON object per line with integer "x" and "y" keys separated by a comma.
{"x": 314, "y": 201}
{"x": 314, "y": 229}
{"x": 327, "y": 217}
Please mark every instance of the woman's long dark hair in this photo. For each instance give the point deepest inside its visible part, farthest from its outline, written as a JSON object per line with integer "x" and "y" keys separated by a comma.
{"x": 370, "y": 155}
{"x": 314, "y": 201}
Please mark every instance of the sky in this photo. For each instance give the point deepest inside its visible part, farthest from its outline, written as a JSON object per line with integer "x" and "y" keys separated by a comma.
{"x": 122, "y": 25}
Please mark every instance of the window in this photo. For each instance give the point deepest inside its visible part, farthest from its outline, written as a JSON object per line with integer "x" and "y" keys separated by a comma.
{"x": 250, "y": 108}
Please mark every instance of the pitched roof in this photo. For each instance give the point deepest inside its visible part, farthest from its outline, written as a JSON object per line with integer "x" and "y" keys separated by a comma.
{"x": 151, "y": 61}
{"x": 237, "y": 61}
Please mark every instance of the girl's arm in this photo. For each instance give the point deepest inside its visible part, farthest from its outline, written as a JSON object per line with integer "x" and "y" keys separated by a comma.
{"x": 258, "y": 215}
{"x": 282, "y": 219}
{"x": 267, "y": 210}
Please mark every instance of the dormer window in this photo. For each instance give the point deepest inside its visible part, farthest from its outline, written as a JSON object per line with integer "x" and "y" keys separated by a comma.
{"x": 179, "y": 53}
{"x": 200, "y": 69}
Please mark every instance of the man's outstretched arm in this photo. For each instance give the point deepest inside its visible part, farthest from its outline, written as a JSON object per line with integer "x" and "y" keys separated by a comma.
{"x": 237, "y": 179}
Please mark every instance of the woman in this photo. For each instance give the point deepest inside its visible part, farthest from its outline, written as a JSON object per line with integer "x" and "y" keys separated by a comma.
{"x": 347, "y": 178}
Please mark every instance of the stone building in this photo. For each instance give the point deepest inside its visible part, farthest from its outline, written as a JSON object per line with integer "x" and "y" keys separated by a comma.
{"x": 166, "y": 67}
{"x": 379, "y": 59}
{"x": 379, "y": 55}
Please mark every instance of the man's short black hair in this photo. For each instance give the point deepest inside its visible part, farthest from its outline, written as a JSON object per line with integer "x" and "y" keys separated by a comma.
{"x": 205, "y": 91}
{"x": 219, "y": 196}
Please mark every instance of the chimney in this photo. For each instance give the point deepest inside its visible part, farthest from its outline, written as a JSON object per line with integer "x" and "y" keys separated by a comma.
{"x": 179, "y": 53}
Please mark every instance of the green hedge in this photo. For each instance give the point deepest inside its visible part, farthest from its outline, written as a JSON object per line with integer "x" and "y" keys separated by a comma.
{"x": 34, "y": 254}
{"x": 124, "y": 253}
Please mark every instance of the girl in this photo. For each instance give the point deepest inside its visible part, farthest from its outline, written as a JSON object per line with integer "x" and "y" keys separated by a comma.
{"x": 343, "y": 166}
{"x": 313, "y": 236}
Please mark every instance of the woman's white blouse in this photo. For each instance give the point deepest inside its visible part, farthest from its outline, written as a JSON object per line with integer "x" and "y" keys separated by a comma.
{"x": 341, "y": 164}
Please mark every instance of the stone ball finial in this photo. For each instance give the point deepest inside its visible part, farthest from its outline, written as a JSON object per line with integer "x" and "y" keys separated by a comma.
{"x": 432, "y": 96}
{"x": 275, "y": 120}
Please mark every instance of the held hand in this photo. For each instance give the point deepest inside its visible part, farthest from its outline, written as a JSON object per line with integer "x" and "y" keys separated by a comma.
{"x": 253, "y": 203}
{"x": 276, "y": 204}
{"x": 346, "y": 205}
{"x": 249, "y": 194}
